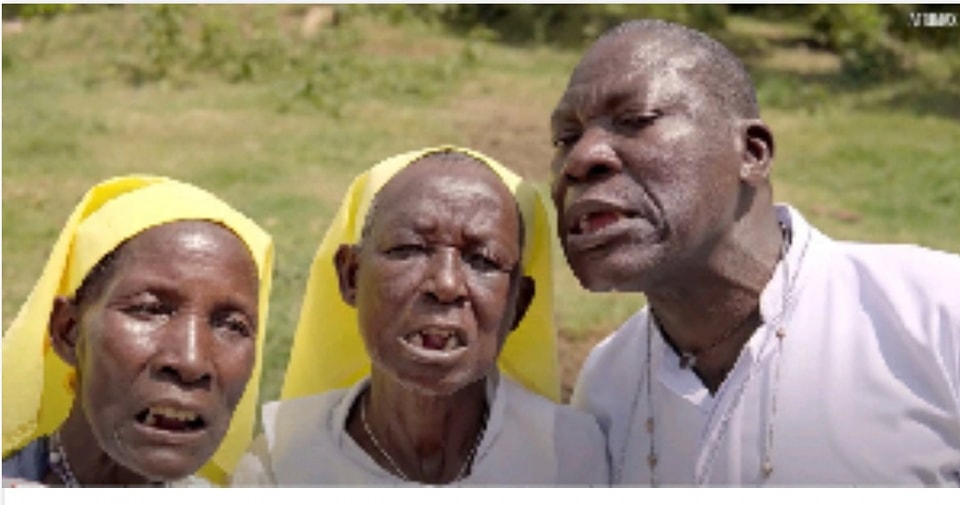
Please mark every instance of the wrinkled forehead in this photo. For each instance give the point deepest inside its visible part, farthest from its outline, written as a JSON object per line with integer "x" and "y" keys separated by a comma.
{"x": 636, "y": 51}
{"x": 645, "y": 59}
{"x": 438, "y": 185}
{"x": 433, "y": 179}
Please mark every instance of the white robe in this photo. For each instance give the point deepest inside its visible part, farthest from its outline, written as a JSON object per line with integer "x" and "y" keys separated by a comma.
{"x": 529, "y": 441}
{"x": 869, "y": 386}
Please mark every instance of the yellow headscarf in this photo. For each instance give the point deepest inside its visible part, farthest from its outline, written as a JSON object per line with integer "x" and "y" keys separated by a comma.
{"x": 37, "y": 394}
{"x": 328, "y": 352}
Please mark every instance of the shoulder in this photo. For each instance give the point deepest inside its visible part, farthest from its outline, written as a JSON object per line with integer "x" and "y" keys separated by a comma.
{"x": 27, "y": 464}
{"x": 912, "y": 286}
{"x": 904, "y": 265}
{"x": 611, "y": 363}
{"x": 576, "y": 443}
{"x": 292, "y": 424}
{"x": 566, "y": 419}
{"x": 254, "y": 468}
{"x": 301, "y": 439}
{"x": 306, "y": 404}
{"x": 299, "y": 415}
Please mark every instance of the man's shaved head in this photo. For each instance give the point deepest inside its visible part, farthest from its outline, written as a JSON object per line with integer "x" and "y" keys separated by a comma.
{"x": 719, "y": 71}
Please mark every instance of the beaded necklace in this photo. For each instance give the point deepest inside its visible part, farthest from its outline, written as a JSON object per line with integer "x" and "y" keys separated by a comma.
{"x": 778, "y": 326}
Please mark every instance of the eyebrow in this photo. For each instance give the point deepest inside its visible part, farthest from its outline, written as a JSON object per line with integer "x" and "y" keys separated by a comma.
{"x": 622, "y": 91}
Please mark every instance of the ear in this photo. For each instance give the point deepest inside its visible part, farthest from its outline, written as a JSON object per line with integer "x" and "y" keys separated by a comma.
{"x": 345, "y": 262}
{"x": 63, "y": 329}
{"x": 525, "y": 292}
{"x": 757, "y": 156}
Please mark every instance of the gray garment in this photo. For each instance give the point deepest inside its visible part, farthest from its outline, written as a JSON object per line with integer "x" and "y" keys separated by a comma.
{"x": 29, "y": 463}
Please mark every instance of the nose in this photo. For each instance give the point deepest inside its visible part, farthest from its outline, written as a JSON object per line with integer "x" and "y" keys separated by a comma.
{"x": 446, "y": 284}
{"x": 592, "y": 158}
{"x": 185, "y": 356}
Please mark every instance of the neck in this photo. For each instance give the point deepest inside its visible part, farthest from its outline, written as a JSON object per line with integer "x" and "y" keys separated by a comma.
{"x": 710, "y": 310}
{"x": 91, "y": 466}
{"x": 431, "y": 438}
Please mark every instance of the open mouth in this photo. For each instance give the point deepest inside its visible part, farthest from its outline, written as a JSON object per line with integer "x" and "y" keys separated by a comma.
{"x": 436, "y": 339}
{"x": 171, "y": 419}
{"x": 595, "y": 221}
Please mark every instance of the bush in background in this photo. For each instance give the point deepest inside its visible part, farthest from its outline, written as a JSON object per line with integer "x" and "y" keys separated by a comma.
{"x": 560, "y": 25}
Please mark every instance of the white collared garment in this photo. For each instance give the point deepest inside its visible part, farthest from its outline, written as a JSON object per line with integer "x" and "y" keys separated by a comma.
{"x": 529, "y": 441}
{"x": 869, "y": 379}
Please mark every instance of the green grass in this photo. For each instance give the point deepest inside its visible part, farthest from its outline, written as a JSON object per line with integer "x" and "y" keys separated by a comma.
{"x": 876, "y": 161}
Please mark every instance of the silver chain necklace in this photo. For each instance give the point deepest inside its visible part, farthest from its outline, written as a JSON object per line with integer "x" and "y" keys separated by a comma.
{"x": 766, "y": 466}
{"x": 59, "y": 463}
{"x": 393, "y": 464}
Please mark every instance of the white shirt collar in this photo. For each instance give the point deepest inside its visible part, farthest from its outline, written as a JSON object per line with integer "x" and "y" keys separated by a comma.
{"x": 684, "y": 382}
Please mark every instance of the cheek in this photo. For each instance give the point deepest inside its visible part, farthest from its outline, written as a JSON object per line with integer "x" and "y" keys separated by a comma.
{"x": 387, "y": 288}
{"x": 114, "y": 350}
{"x": 384, "y": 294}
{"x": 235, "y": 362}
{"x": 111, "y": 360}
{"x": 491, "y": 297}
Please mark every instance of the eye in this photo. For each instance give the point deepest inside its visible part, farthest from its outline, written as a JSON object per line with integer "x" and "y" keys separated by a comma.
{"x": 565, "y": 140}
{"x": 482, "y": 262}
{"x": 405, "y": 251}
{"x": 637, "y": 120}
{"x": 148, "y": 309}
{"x": 234, "y": 322}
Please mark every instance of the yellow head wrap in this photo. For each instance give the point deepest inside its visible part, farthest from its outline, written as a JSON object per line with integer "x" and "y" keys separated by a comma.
{"x": 37, "y": 395}
{"x": 328, "y": 352}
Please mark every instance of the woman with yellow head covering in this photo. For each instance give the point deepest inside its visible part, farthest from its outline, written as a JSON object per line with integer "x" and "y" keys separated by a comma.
{"x": 432, "y": 280}
{"x": 136, "y": 358}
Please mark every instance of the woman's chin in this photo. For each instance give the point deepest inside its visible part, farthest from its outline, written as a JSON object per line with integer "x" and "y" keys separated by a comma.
{"x": 448, "y": 385}
{"x": 165, "y": 464}
{"x": 168, "y": 468}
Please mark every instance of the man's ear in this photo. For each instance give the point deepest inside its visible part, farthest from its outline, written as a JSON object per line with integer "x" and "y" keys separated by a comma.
{"x": 345, "y": 262}
{"x": 63, "y": 328}
{"x": 525, "y": 292}
{"x": 757, "y": 156}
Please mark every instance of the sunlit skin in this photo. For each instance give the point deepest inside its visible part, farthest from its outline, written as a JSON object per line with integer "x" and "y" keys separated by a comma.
{"x": 661, "y": 190}
{"x": 173, "y": 326}
{"x": 441, "y": 257}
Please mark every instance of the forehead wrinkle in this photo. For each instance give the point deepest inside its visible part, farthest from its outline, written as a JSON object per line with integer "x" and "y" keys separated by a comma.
{"x": 461, "y": 186}
{"x": 609, "y": 73}
{"x": 472, "y": 203}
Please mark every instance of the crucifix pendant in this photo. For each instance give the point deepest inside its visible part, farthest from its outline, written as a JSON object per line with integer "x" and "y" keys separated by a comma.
{"x": 687, "y": 360}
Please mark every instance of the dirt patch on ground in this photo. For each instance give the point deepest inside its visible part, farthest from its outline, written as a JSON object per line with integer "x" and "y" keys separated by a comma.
{"x": 573, "y": 352}
{"x": 508, "y": 124}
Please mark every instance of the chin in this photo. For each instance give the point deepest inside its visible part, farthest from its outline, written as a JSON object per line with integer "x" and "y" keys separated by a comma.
{"x": 164, "y": 465}
{"x": 599, "y": 277}
{"x": 162, "y": 462}
{"x": 443, "y": 386}
{"x": 627, "y": 272}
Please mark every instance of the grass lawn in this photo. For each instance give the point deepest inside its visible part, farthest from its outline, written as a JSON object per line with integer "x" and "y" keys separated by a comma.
{"x": 280, "y": 137}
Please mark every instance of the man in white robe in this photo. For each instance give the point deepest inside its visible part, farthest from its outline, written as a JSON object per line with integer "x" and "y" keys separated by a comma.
{"x": 768, "y": 354}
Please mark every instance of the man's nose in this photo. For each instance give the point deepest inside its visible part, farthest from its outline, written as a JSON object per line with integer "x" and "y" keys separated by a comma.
{"x": 446, "y": 283}
{"x": 592, "y": 158}
{"x": 185, "y": 355}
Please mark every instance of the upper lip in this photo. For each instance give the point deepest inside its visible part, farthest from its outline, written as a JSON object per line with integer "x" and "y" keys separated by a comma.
{"x": 582, "y": 208}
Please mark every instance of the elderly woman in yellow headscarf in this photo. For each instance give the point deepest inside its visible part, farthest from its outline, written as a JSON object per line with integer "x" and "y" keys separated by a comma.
{"x": 135, "y": 360}
{"x": 437, "y": 264}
